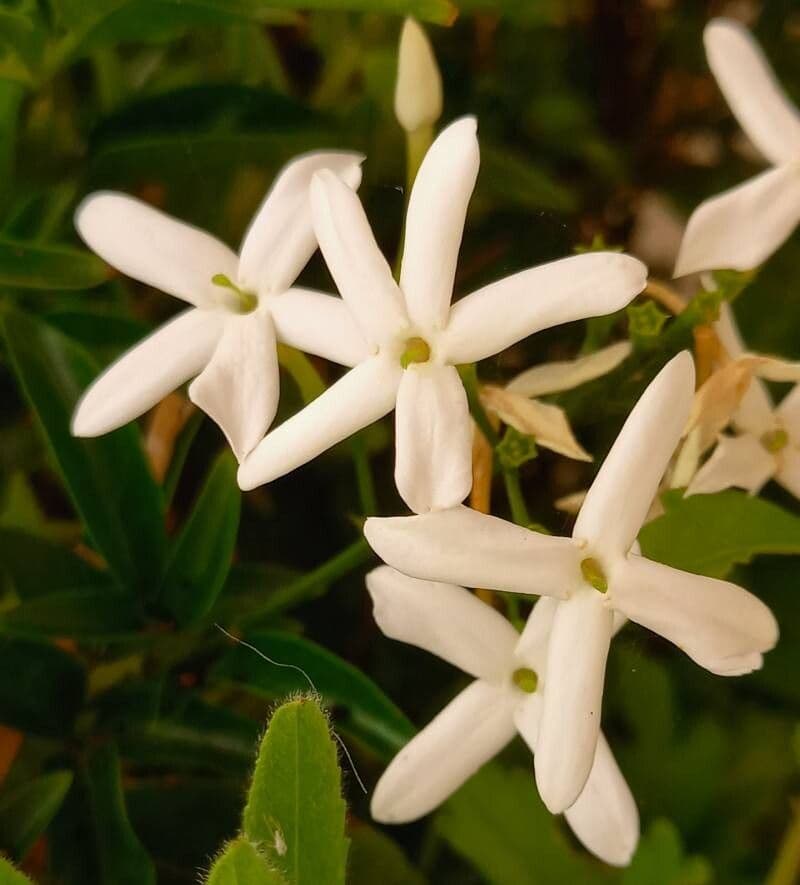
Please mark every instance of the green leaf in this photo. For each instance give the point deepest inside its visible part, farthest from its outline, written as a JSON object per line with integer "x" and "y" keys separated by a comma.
{"x": 108, "y": 478}
{"x": 374, "y": 857}
{"x": 709, "y": 534}
{"x": 31, "y": 266}
{"x": 371, "y": 716}
{"x": 26, "y": 812}
{"x": 241, "y": 863}
{"x": 41, "y": 687}
{"x": 515, "y": 180}
{"x": 10, "y": 876}
{"x": 295, "y": 809}
{"x": 515, "y": 448}
{"x": 121, "y": 858}
{"x": 201, "y": 556}
{"x": 661, "y": 858}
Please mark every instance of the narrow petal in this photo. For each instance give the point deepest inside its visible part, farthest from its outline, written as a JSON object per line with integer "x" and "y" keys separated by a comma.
{"x": 239, "y": 386}
{"x": 739, "y": 462}
{"x": 546, "y": 423}
{"x": 318, "y": 324}
{"x": 713, "y": 621}
{"x": 437, "y": 209}
{"x": 528, "y": 718}
{"x": 470, "y": 730}
{"x": 445, "y": 620}
{"x": 605, "y": 817}
{"x": 788, "y": 413}
{"x": 754, "y": 95}
{"x": 365, "y": 394}
{"x": 493, "y": 318}
{"x": 280, "y": 239}
{"x": 568, "y": 374}
{"x": 533, "y": 642}
{"x": 573, "y": 698}
{"x": 157, "y": 250}
{"x": 148, "y": 372}
{"x": 462, "y": 546}
{"x": 354, "y": 259}
{"x": 742, "y": 227}
{"x": 618, "y": 501}
{"x": 788, "y": 474}
{"x": 433, "y": 467}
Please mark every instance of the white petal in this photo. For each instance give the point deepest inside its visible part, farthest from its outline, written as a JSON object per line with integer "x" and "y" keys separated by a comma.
{"x": 445, "y": 620}
{"x": 618, "y": 501}
{"x": 354, "y": 259}
{"x": 418, "y": 91}
{"x": 365, "y": 394}
{"x": 493, "y": 318}
{"x": 470, "y": 730}
{"x": 318, "y": 324}
{"x": 433, "y": 467}
{"x": 462, "y": 546}
{"x": 280, "y": 239}
{"x": 568, "y": 374}
{"x": 528, "y": 718}
{"x": 788, "y": 474}
{"x": 737, "y": 462}
{"x": 605, "y": 817}
{"x": 573, "y": 698}
{"x": 154, "y": 248}
{"x": 148, "y": 372}
{"x": 532, "y": 645}
{"x": 437, "y": 209}
{"x": 239, "y": 387}
{"x": 754, "y": 95}
{"x": 742, "y": 227}
{"x": 788, "y": 413}
{"x": 546, "y": 423}
{"x": 713, "y": 621}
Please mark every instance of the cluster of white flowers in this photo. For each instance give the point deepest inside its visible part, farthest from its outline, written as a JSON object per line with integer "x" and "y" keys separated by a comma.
{"x": 401, "y": 341}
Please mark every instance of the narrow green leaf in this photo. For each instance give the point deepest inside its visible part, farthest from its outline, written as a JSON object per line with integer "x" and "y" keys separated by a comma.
{"x": 10, "y": 876}
{"x": 374, "y": 857}
{"x": 661, "y": 858}
{"x": 241, "y": 863}
{"x": 295, "y": 809}
{"x": 26, "y": 811}
{"x": 41, "y": 687}
{"x": 202, "y": 554}
{"x": 108, "y": 478}
{"x": 709, "y": 534}
{"x": 371, "y": 716}
{"x": 31, "y": 266}
{"x": 122, "y": 859}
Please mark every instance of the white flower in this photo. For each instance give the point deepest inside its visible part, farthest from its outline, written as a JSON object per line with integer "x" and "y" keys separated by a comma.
{"x": 506, "y": 699}
{"x": 417, "y": 338}
{"x": 241, "y": 304}
{"x": 767, "y": 440}
{"x": 719, "y": 625}
{"x": 517, "y": 405}
{"x": 742, "y": 227}
{"x": 418, "y": 91}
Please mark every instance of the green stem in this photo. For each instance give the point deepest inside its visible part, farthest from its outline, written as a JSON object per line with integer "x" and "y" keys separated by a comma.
{"x": 516, "y": 500}
{"x": 786, "y": 869}
{"x": 364, "y": 479}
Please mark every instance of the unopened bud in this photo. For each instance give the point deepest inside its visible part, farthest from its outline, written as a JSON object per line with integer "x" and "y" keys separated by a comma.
{"x": 418, "y": 92}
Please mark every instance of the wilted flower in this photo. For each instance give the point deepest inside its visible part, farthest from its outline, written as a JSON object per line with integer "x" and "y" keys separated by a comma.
{"x": 242, "y": 303}
{"x": 417, "y": 338}
{"x": 505, "y": 699}
{"x": 719, "y": 625}
{"x": 742, "y": 227}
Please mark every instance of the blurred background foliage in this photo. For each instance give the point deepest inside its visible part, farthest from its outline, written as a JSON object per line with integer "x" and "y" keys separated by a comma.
{"x": 129, "y": 721}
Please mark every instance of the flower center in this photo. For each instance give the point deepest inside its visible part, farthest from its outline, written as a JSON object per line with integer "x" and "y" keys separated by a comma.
{"x": 594, "y": 575}
{"x": 525, "y": 679}
{"x": 243, "y": 302}
{"x": 417, "y": 350}
{"x": 775, "y": 440}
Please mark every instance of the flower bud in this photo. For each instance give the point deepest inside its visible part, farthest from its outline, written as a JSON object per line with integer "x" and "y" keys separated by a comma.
{"x": 418, "y": 92}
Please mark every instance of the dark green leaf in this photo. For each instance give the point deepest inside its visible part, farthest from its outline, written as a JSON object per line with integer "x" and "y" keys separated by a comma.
{"x": 29, "y": 266}
{"x": 295, "y": 809}
{"x": 661, "y": 858}
{"x": 108, "y": 478}
{"x": 241, "y": 863}
{"x": 10, "y": 876}
{"x": 374, "y": 857}
{"x": 515, "y": 180}
{"x": 26, "y": 811}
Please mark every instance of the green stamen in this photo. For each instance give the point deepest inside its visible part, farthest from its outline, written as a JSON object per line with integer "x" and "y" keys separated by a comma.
{"x": 594, "y": 575}
{"x": 417, "y": 351}
{"x": 525, "y": 679}
{"x": 775, "y": 440}
{"x": 246, "y": 301}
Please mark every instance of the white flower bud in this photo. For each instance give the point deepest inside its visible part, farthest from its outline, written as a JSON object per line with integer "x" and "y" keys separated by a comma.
{"x": 418, "y": 92}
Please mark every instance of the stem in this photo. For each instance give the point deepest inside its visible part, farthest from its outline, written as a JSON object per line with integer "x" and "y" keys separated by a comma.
{"x": 364, "y": 479}
{"x": 516, "y": 500}
{"x": 786, "y": 869}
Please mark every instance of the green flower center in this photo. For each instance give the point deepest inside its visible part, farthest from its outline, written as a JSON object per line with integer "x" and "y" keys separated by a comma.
{"x": 775, "y": 440}
{"x": 417, "y": 350}
{"x": 594, "y": 575}
{"x": 525, "y": 679}
{"x": 245, "y": 302}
